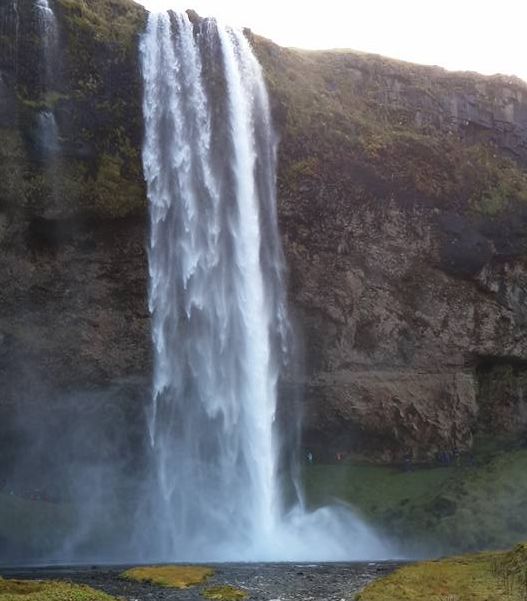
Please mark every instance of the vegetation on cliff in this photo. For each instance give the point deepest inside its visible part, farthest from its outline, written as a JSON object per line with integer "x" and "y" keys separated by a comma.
{"x": 380, "y": 129}
{"x": 95, "y": 96}
{"x": 345, "y": 118}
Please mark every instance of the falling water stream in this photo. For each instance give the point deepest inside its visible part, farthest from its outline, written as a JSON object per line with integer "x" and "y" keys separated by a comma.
{"x": 48, "y": 31}
{"x": 220, "y": 328}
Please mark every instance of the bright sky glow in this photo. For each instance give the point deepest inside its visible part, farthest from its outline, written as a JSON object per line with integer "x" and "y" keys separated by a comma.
{"x": 489, "y": 36}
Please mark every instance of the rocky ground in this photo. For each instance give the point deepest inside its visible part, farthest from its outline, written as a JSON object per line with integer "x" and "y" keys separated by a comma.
{"x": 263, "y": 582}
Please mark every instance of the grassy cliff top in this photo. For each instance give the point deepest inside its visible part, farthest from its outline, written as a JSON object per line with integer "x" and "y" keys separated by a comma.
{"x": 369, "y": 128}
{"x": 414, "y": 71}
{"x": 379, "y": 128}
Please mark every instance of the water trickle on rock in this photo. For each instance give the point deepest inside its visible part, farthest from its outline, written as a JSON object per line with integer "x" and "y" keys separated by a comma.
{"x": 219, "y": 319}
{"x": 48, "y": 31}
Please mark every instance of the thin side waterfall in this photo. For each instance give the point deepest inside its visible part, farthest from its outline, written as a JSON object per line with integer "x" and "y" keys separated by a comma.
{"x": 48, "y": 31}
{"x": 220, "y": 330}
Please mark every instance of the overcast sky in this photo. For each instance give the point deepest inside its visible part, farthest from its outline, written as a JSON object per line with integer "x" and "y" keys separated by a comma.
{"x": 488, "y": 36}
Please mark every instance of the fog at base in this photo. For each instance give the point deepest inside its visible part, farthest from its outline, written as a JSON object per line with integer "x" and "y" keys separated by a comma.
{"x": 226, "y": 486}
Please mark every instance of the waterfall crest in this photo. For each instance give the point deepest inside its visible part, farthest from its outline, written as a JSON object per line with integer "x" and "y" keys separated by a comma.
{"x": 220, "y": 330}
{"x": 48, "y": 29}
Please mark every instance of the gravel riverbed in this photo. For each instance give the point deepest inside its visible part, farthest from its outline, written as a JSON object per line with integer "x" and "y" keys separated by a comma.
{"x": 262, "y": 582}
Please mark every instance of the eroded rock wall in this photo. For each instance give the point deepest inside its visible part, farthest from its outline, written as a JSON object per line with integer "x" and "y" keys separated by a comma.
{"x": 403, "y": 210}
{"x": 72, "y": 230}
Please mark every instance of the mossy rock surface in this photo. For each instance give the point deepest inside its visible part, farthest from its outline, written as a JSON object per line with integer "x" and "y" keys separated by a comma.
{"x": 170, "y": 576}
{"x": 95, "y": 97}
{"x": 38, "y": 590}
{"x": 224, "y": 593}
{"x": 357, "y": 117}
{"x": 481, "y": 577}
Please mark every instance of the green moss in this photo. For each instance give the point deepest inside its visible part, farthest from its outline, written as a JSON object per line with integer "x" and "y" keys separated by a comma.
{"x": 106, "y": 21}
{"x": 48, "y": 102}
{"x": 24, "y": 590}
{"x": 116, "y": 195}
{"x": 224, "y": 593}
{"x": 99, "y": 70}
{"x": 469, "y": 578}
{"x": 344, "y": 109}
{"x": 171, "y": 576}
{"x": 308, "y": 167}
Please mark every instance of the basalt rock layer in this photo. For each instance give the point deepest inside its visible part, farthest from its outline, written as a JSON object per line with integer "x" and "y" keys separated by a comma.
{"x": 402, "y": 208}
{"x": 402, "y": 203}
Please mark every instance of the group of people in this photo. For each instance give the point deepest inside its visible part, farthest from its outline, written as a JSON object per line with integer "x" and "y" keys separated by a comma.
{"x": 444, "y": 458}
{"x": 340, "y": 456}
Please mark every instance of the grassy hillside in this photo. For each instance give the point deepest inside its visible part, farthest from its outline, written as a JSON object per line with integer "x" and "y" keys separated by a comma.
{"x": 435, "y": 509}
{"x": 483, "y": 577}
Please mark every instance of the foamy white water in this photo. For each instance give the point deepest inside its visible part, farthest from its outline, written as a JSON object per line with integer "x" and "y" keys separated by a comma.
{"x": 219, "y": 319}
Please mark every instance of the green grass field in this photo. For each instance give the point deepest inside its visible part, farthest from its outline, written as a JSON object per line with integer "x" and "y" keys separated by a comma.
{"x": 434, "y": 509}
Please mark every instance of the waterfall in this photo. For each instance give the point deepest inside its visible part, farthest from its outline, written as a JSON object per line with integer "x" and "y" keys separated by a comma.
{"x": 48, "y": 135}
{"x": 219, "y": 318}
{"x": 48, "y": 32}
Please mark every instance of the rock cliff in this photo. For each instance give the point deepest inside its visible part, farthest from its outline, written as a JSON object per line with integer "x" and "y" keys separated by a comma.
{"x": 402, "y": 203}
{"x": 403, "y": 209}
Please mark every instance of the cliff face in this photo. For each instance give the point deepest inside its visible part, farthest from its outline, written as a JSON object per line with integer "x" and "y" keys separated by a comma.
{"x": 72, "y": 228}
{"x": 402, "y": 204}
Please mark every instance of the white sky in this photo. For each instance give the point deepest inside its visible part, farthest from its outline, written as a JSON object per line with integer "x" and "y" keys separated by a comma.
{"x": 489, "y": 36}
